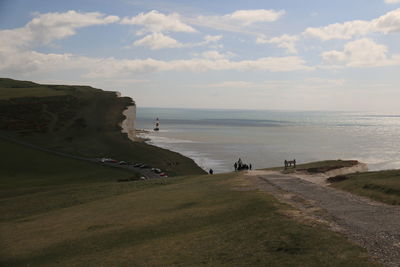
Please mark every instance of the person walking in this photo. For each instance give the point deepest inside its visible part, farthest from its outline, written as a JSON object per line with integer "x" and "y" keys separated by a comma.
{"x": 235, "y": 165}
{"x": 250, "y": 166}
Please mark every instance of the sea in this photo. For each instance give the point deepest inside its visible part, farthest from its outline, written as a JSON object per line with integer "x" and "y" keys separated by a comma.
{"x": 216, "y": 138}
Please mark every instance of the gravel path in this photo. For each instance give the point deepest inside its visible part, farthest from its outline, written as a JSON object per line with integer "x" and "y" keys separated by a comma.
{"x": 373, "y": 225}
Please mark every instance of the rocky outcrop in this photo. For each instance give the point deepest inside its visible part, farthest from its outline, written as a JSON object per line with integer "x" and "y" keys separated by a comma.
{"x": 128, "y": 125}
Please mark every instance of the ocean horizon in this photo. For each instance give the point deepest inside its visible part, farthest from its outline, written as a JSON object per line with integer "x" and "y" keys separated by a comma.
{"x": 216, "y": 138}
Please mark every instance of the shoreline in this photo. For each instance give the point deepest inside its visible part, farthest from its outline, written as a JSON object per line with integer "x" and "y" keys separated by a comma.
{"x": 202, "y": 160}
{"x": 136, "y": 135}
{"x": 200, "y": 136}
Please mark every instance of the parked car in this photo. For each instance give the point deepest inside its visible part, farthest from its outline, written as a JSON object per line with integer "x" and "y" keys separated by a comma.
{"x": 156, "y": 170}
{"x": 108, "y": 160}
{"x": 122, "y": 163}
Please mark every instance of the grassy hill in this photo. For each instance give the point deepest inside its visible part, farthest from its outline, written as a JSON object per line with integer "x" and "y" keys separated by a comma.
{"x": 32, "y": 181}
{"x": 55, "y": 210}
{"x": 382, "y": 186}
{"x": 78, "y": 120}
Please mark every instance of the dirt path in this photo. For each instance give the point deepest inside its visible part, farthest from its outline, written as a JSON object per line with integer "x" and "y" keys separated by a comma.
{"x": 373, "y": 225}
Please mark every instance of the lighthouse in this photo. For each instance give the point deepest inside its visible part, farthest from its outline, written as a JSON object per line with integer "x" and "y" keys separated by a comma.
{"x": 157, "y": 127}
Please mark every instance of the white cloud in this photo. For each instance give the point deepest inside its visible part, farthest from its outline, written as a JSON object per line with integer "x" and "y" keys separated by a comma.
{"x": 212, "y": 38}
{"x": 229, "y": 84}
{"x": 215, "y": 55}
{"x": 155, "y": 21}
{"x": 237, "y": 21}
{"x": 21, "y": 62}
{"x": 361, "y": 53}
{"x": 340, "y": 30}
{"x": 316, "y": 82}
{"x": 309, "y": 83}
{"x": 248, "y": 17}
{"x": 392, "y": 1}
{"x": 157, "y": 41}
{"x": 285, "y": 41}
{"x": 388, "y": 23}
{"x": 208, "y": 39}
{"x": 45, "y": 28}
{"x": 113, "y": 67}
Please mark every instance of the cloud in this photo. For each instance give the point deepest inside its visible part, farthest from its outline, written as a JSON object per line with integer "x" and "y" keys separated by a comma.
{"x": 21, "y": 62}
{"x": 215, "y": 55}
{"x": 229, "y": 84}
{"x": 309, "y": 83}
{"x": 208, "y": 39}
{"x": 157, "y": 41}
{"x": 237, "y": 21}
{"x": 392, "y": 1}
{"x": 248, "y": 17}
{"x": 388, "y": 23}
{"x": 285, "y": 41}
{"x": 361, "y": 53}
{"x": 155, "y": 21}
{"x": 212, "y": 38}
{"x": 316, "y": 82}
{"x": 113, "y": 67}
{"x": 340, "y": 30}
{"x": 48, "y": 27}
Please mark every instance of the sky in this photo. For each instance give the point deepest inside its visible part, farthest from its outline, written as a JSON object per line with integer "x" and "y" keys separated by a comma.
{"x": 285, "y": 55}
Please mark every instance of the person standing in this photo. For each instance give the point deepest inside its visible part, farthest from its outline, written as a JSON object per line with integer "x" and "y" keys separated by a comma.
{"x": 211, "y": 171}
{"x": 250, "y": 166}
{"x": 235, "y": 165}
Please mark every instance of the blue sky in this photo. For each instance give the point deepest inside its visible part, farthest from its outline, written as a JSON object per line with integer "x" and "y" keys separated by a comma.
{"x": 291, "y": 55}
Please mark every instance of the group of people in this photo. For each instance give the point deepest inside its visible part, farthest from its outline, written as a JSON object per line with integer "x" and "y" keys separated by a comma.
{"x": 239, "y": 165}
{"x": 289, "y": 163}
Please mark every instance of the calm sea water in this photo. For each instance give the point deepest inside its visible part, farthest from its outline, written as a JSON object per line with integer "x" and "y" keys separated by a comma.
{"x": 217, "y": 138}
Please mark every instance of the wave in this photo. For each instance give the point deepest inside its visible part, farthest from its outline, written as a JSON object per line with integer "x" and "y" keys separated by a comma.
{"x": 204, "y": 160}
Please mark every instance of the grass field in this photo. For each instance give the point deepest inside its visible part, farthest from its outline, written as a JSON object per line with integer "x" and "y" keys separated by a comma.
{"x": 12, "y": 89}
{"x": 33, "y": 181}
{"x": 60, "y": 211}
{"x": 382, "y": 186}
{"x": 79, "y": 120}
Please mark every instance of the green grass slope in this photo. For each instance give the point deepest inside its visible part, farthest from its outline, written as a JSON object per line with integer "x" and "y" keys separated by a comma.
{"x": 382, "y": 186}
{"x": 79, "y": 120}
{"x": 15, "y": 89}
{"x": 33, "y": 181}
{"x": 178, "y": 221}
